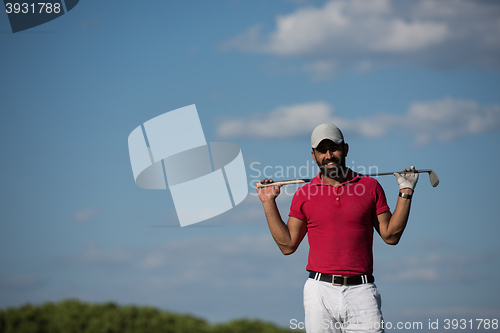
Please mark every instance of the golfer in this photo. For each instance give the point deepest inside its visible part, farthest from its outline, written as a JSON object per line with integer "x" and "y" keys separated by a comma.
{"x": 338, "y": 210}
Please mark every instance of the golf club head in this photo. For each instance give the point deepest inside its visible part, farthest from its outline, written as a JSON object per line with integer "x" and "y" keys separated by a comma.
{"x": 433, "y": 178}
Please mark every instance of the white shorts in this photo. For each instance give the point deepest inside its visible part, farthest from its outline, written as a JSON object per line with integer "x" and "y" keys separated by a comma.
{"x": 335, "y": 309}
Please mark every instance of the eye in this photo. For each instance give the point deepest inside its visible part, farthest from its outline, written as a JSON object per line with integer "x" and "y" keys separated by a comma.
{"x": 322, "y": 150}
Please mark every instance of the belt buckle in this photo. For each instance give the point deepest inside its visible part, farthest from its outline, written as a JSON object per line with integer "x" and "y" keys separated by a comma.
{"x": 339, "y": 284}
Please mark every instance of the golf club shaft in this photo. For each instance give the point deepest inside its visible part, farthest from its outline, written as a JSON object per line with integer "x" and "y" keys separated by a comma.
{"x": 432, "y": 176}
{"x": 391, "y": 173}
{"x": 284, "y": 182}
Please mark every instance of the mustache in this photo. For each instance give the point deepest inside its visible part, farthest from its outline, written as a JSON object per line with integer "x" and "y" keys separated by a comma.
{"x": 333, "y": 160}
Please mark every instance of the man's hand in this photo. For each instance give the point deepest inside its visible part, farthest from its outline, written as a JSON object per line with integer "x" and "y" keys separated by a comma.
{"x": 407, "y": 179}
{"x": 268, "y": 192}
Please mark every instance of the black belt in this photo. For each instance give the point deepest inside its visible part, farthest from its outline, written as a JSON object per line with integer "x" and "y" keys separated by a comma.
{"x": 339, "y": 280}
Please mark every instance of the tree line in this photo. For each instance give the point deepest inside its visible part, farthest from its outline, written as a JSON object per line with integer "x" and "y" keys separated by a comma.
{"x": 74, "y": 316}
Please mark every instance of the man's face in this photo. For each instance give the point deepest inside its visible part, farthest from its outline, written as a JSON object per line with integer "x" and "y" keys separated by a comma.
{"x": 330, "y": 158}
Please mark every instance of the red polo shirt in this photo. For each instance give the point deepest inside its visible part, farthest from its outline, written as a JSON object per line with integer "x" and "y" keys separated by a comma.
{"x": 340, "y": 223}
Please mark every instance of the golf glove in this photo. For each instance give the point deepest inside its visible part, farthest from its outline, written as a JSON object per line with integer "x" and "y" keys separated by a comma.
{"x": 407, "y": 180}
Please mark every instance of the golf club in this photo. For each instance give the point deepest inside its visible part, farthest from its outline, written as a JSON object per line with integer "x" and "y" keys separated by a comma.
{"x": 433, "y": 178}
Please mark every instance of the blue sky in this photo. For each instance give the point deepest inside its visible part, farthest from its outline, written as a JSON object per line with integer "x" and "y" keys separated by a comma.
{"x": 409, "y": 82}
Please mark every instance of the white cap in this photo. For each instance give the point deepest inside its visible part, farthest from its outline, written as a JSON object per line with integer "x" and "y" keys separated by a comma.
{"x": 326, "y": 131}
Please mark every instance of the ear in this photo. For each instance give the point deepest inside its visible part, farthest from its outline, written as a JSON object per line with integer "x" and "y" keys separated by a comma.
{"x": 314, "y": 156}
{"x": 346, "y": 149}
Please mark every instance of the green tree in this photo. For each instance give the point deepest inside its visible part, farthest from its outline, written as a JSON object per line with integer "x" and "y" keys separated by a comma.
{"x": 73, "y": 316}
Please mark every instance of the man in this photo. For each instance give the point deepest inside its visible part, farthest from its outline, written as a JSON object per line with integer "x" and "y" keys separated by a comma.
{"x": 338, "y": 210}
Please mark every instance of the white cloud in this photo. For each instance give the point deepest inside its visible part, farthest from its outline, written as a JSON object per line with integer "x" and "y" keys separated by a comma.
{"x": 321, "y": 70}
{"x": 342, "y": 27}
{"x": 221, "y": 260}
{"x": 402, "y": 36}
{"x": 437, "y": 267}
{"x": 85, "y": 214}
{"x": 441, "y": 120}
{"x": 448, "y": 119}
{"x": 282, "y": 122}
{"x": 94, "y": 255}
{"x": 220, "y": 278}
{"x": 436, "y": 33}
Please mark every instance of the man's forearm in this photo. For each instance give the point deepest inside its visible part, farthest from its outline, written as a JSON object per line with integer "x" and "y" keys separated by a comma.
{"x": 399, "y": 218}
{"x": 279, "y": 230}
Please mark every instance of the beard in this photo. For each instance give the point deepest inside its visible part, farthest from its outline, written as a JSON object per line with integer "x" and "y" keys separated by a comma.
{"x": 338, "y": 170}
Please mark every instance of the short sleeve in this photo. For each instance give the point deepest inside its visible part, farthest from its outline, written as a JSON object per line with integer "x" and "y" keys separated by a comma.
{"x": 381, "y": 201}
{"x": 296, "y": 207}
